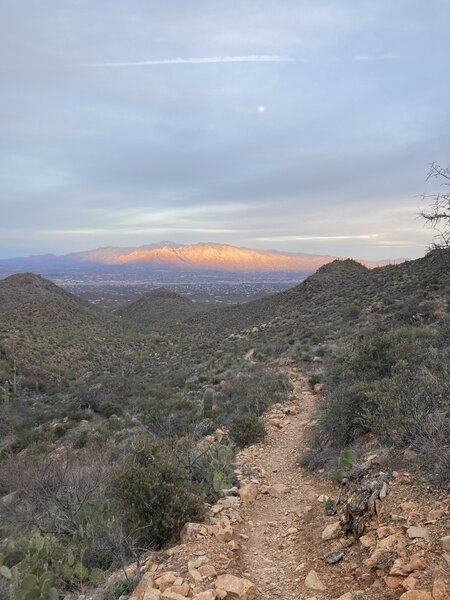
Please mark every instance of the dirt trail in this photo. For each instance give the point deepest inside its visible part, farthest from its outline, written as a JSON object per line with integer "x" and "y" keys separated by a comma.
{"x": 279, "y": 539}
{"x": 282, "y": 527}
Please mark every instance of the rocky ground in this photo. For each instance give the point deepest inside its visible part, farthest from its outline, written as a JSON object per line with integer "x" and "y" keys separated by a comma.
{"x": 273, "y": 539}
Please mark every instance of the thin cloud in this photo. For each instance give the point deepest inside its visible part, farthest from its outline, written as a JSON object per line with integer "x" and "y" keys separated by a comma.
{"x": 193, "y": 61}
{"x": 294, "y": 238}
{"x": 387, "y": 56}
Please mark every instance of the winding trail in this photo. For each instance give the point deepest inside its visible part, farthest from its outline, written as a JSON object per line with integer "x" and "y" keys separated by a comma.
{"x": 283, "y": 526}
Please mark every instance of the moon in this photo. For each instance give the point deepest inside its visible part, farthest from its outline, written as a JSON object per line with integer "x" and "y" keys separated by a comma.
{"x": 261, "y": 109}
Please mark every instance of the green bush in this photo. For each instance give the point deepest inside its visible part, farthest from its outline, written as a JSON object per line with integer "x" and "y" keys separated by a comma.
{"x": 247, "y": 429}
{"x": 213, "y": 467}
{"x": 395, "y": 385}
{"x": 156, "y": 494}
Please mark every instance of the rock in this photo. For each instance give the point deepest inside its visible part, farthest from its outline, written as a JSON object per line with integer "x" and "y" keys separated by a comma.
{"x": 408, "y": 506}
{"x": 163, "y": 581}
{"x": 198, "y": 562}
{"x": 390, "y": 542}
{"x": 233, "y": 491}
{"x": 233, "y": 545}
{"x": 144, "y": 589}
{"x": 331, "y": 531}
{"x": 383, "y": 491}
{"x": 393, "y": 582}
{"x": 410, "y": 455}
{"x": 351, "y": 596}
{"x": 237, "y": 588}
{"x": 181, "y": 590}
{"x": 367, "y": 541}
{"x": 172, "y": 596}
{"x": 416, "y": 563}
{"x": 334, "y": 557}
{"x": 416, "y": 595}
{"x": 224, "y": 531}
{"x": 445, "y": 541}
{"x": 313, "y": 582}
{"x": 207, "y": 571}
{"x": 441, "y": 589}
{"x": 318, "y": 388}
{"x": 208, "y": 595}
{"x": 195, "y": 576}
{"x": 151, "y": 595}
{"x": 384, "y": 531}
{"x": 277, "y": 490}
{"x": 417, "y": 532}
{"x": 410, "y": 583}
{"x": 230, "y": 502}
{"x": 189, "y": 531}
{"x": 248, "y": 493}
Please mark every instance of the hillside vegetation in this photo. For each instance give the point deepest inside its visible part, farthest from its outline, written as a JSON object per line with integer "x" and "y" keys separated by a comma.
{"x": 112, "y": 434}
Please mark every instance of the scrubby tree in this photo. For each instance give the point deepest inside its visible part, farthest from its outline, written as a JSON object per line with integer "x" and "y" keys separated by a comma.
{"x": 437, "y": 215}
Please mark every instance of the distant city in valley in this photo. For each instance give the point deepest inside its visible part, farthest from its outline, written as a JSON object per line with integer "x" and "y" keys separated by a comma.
{"x": 208, "y": 272}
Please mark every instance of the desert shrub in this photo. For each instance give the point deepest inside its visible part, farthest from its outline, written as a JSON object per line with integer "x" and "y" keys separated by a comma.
{"x": 212, "y": 466}
{"x": 395, "y": 385}
{"x": 313, "y": 380}
{"x": 108, "y": 408}
{"x": 156, "y": 493}
{"x": 125, "y": 586}
{"x": 252, "y": 391}
{"x": 246, "y": 429}
{"x": 63, "y": 522}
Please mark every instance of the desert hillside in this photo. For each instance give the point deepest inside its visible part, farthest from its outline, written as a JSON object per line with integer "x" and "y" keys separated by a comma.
{"x": 118, "y": 429}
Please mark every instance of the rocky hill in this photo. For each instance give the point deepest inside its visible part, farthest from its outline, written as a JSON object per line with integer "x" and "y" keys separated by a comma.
{"x": 330, "y": 297}
{"x": 160, "y": 307}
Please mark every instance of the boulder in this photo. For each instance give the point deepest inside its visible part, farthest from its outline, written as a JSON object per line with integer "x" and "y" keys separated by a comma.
{"x": 237, "y": 588}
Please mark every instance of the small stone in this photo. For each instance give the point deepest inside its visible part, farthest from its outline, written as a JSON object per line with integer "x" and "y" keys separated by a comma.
{"x": 331, "y": 531}
{"x": 410, "y": 455}
{"x": 277, "y": 490}
{"x": 446, "y": 543}
{"x": 248, "y": 493}
{"x": 416, "y": 595}
{"x": 313, "y": 582}
{"x": 237, "y": 588}
{"x": 417, "y": 532}
{"x": 189, "y": 531}
{"x": 441, "y": 589}
{"x": 208, "y": 595}
{"x": 207, "y": 571}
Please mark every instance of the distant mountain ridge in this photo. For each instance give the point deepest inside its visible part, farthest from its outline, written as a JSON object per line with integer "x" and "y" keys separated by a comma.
{"x": 199, "y": 256}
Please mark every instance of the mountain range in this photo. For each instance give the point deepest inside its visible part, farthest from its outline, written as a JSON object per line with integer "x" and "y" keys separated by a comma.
{"x": 170, "y": 255}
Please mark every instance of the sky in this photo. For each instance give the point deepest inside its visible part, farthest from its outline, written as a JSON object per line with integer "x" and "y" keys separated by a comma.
{"x": 298, "y": 125}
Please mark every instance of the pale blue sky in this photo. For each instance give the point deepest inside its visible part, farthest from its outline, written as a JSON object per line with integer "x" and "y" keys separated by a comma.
{"x": 298, "y": 125}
